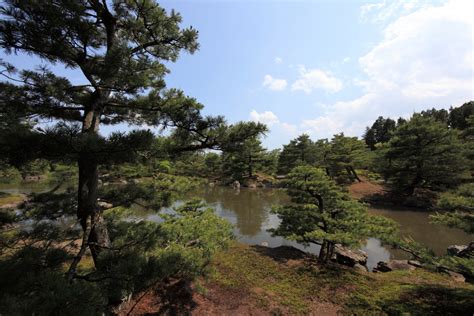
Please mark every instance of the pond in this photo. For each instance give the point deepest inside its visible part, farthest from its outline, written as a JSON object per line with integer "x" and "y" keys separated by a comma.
{"x": 249, "y": 211}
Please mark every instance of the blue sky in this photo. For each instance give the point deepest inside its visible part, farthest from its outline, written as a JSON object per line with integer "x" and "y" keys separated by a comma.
{"x": 322, "y": 67}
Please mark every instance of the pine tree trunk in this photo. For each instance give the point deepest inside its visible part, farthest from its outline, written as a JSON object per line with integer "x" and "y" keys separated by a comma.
{"x": 355, "y": 174}
{"x": 88, "y": 192}
{"x": 322, "y": 252}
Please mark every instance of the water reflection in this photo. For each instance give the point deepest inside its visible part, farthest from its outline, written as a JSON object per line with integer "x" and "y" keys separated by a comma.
{"x": 249, "y": 211}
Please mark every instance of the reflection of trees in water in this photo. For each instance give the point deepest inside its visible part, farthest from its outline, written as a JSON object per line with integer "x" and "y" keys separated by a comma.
{"x": 251, "y": 207}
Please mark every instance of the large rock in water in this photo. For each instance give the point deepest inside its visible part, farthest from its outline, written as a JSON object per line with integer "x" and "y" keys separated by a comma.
{"x": 454, "y": 250}
{"x": 236, "y": 185}
{"x": 349, "y": 257}
{"x": 393, "y": 265}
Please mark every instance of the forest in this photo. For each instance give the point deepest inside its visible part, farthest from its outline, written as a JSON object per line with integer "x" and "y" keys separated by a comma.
{"x": 73, "y": 237}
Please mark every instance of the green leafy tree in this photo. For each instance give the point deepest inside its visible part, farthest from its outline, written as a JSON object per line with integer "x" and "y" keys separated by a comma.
{"x": 345, "y": 155}
{"x": 213, "y": 164}
{"x": 322, "y": 213}
{"x": 120, "y": 49}
{"x": 299, "y": 151}
{"x": 423, "y": 153}
{"x": 380, "y": 132}
{"x": 440, "y": 115}
{"x": 458, "y": 117}
{"x": 269, "y": 161}
{"x": 242, "y": 160}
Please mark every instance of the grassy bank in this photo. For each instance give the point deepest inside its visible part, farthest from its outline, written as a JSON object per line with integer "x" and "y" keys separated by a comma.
{"x": 281, "y": 281}
{"x": 287, "y": 282}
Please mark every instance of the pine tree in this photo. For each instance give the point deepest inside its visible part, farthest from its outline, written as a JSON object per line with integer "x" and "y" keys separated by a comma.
{"x": 120, "y": 48}
{"x": 322, "y": 213}
{"x": 423, "y": 153}
{"x": 344, "y": 156}
{"x": 380, "y": 132}
{"x": 243, "y": 159}
{"x": 299, "y": 151}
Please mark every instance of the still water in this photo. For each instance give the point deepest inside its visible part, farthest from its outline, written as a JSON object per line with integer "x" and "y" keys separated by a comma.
{"x": 249, "y": 211}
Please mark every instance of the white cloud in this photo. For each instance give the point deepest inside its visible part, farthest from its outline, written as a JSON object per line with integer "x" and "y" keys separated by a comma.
{"x": 346, "y": 60}
{"x": 288, "y": 128}
{"x": 266, "y": 117}
{"x": 273, "y": 83}
{"x": 386, "y": 11}
{"x": 316, "y": 79}
{"x": 278, "y": 60}
{"x": 424, "y": 60}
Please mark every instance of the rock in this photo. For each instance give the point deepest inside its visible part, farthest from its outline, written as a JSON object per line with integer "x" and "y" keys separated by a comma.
{"x": 393, "y": 265}
{"x": 415, "y": 263}
{"x": 360, "y": 267}
{"x": 32, "y": 178}
{"x": 252, "y": 186}
{"x": 458, "y": 277}
{"x": 104, "y": 205}
{"x": 350, "y": 257}
{"x": 453, "y": 250}
{"x": 236, "y": 184}
{"x": 212, "y": 184}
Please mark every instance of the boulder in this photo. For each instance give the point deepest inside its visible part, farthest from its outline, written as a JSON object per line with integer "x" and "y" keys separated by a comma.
{"x": 349, "y": 257}
{"x": 415, "y": 263}
{"x": 458, "y": 277}
{"x": 393, "y": 265}
{"x": 454, "y": 250}
{"x": 236, "y": 184}
{"x": 104, "y": 205}
{"x": 252, "y": 186}
{"x": 32, "y": 178}
{"x": 360, "y": 267}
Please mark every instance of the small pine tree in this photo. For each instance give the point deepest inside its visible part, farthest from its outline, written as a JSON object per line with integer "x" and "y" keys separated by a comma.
{"x": 322, "y": 213}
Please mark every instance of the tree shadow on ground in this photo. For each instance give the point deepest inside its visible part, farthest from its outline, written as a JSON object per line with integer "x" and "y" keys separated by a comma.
{"x": 282, "y": 253}
{"x": 175, "y": 298}
{"x": 422, "y": 300}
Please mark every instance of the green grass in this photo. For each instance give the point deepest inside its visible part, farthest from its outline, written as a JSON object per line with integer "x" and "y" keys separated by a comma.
{"x": 7, "y": 199}
{"x": 295, "y": 287}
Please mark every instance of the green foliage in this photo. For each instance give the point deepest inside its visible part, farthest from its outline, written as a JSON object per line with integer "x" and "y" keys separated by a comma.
{"x": 380, "y": 132}
{"x": 36, "y": 167}
{"x": 460, "y": 207}
{"x": 141, "y": 254}
{"x": 458, "y": 117}
{"x": 242, "y": 160}
{"x": 322, "y": 213}
{"x": 460, "y": 199}
{"x": 300, "y": 151}
{"x": 339, "y": 157}
{"x": 344, "y": 156}
{"x": 423, "y": 153}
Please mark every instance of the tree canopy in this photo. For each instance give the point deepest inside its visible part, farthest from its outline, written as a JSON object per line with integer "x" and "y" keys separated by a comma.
{"x": 424, "y": 153}
{"x": 322, "y": 213}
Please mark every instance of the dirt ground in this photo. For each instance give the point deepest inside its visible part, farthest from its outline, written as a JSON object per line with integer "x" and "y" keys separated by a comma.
{"x": 365, "y": 189}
